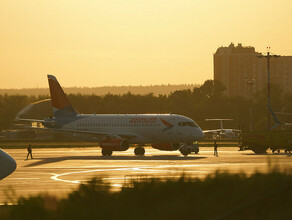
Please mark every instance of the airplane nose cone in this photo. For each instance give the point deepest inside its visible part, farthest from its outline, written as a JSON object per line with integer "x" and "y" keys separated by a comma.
{"x": 7, "y": 164}
{"x": 198, "y": 134}
{"x": 201, "y": 134}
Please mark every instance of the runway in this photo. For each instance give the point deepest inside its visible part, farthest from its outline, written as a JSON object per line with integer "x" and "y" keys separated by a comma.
{"x": 60, "y": 170}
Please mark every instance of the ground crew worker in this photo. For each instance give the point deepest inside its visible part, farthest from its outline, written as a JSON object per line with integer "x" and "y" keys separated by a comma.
{"x": 215, "y": 149}
{"x": 29, "y": 152}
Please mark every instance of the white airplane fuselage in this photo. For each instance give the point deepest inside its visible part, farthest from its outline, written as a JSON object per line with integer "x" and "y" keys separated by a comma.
{"x": 147, "y": 128}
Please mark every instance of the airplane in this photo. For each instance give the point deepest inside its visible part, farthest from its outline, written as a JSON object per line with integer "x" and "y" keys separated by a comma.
{"x": 7, "y": 164}
{"x": 222, "y": 132}
{"x": 115, "y": 132}
{"x": 278, "y": 122}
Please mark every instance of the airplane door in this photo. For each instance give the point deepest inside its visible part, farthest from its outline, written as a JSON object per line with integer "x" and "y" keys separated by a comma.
{"x": 170, "y": 133}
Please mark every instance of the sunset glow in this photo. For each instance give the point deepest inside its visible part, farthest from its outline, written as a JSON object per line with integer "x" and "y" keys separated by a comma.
{"x": 131, "y": 42}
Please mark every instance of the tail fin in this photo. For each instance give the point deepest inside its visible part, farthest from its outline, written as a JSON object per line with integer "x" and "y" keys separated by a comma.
{"x": 278, "y": 122}
{"x": 60, "y": 103}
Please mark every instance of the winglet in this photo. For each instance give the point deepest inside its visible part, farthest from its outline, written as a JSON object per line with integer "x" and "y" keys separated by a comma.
{"x": 60, "y": 103}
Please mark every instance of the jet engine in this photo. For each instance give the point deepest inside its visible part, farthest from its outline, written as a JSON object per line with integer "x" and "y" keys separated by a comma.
{"x": 7, "y": 164}
{"x": 115, "y": 144}
{"x": 166, "y": 146}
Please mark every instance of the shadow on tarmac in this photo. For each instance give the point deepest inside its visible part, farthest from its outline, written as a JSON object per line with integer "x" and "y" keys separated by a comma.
{"x": 101, "y": 158}
{"x": 269, "y": 154}
{"x": 253, "y": 154}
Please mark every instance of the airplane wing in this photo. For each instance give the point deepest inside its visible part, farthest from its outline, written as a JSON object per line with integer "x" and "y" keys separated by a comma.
{"x": 287, "y": 124}
{"x": 93, "y": 133}
{"x": 212, "y": 131}
{"x": 284, "y": 113}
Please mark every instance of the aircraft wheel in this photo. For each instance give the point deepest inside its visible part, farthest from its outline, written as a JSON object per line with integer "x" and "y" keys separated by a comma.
{"x": 142, "y": 151}
{"x": 139, "y": 151}
{"x": 136, "y": 151}
{"x": 259, "y": 150}
{"x": 184, "y": 152}
{"x": 106, "y": 152}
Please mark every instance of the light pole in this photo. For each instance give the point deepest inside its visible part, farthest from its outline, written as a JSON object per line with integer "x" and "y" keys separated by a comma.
{"x": 268, "y": 56}
{"x": 250, "y": 86}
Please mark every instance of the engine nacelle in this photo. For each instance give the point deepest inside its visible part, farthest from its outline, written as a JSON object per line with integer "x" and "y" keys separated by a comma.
{"x": 115, "y": 144}
{"x": 7, "y": 164}
{"x": 166, "y": 146}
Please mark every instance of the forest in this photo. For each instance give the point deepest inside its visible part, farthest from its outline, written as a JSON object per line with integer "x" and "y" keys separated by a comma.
{"x": 199, "y": 103}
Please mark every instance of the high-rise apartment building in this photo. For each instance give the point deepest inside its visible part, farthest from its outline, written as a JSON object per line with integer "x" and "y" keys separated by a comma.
{"x": 242, "y": 71}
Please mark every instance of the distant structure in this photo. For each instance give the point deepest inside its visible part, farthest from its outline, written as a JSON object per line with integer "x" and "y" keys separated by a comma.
{"x": 242, "y": 72}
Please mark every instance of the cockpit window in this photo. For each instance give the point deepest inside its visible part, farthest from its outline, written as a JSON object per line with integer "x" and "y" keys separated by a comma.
{"x": 192, "y": 124}
{"x": 187, "y": 123}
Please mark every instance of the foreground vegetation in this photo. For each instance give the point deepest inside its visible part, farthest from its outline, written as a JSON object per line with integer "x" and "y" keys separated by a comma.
{"x": 219, "y": 196}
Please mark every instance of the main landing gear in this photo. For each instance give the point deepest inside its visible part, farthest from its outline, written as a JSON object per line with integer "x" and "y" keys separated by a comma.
{"x": 106, "y": 152}
{"x": 139, "y": 151}
{"x": 187, "y": 149}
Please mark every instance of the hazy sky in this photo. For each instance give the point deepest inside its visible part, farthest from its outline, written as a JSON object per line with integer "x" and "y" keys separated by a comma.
{"x": 131, "y": 42}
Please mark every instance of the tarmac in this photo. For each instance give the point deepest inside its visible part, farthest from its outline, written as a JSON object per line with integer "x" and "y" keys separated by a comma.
{"x": 58, "y": 171}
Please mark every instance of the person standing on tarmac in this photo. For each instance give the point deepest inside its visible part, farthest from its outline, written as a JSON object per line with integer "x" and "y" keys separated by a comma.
{"x": 215, "y": 148}
{"x": 29, "y": 152}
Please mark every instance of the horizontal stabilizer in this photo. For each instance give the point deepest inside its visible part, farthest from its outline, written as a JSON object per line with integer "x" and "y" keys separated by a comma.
{"x": 30, "y": 120}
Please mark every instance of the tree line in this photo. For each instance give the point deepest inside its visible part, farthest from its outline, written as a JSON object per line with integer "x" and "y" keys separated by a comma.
{"x": 199, "y": 103}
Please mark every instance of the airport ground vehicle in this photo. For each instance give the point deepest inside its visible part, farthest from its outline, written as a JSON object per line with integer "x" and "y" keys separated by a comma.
{"x": 260, "y": 141}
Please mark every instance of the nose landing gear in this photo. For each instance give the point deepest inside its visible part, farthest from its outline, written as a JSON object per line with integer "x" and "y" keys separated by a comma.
{"x": 185, "y": 151}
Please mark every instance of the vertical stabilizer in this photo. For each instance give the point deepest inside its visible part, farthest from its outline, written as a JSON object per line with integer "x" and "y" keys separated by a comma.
{"x": 221, "y": 124}
{"x": 60, "y": 103}
{"x": 278, "y": 122}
